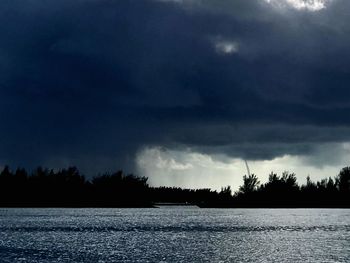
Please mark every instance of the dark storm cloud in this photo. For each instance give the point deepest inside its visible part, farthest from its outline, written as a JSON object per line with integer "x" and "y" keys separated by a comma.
{"x": 90, "y": 82}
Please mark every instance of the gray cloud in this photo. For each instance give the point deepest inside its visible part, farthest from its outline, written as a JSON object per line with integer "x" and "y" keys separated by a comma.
{"x": 91, "y": 82}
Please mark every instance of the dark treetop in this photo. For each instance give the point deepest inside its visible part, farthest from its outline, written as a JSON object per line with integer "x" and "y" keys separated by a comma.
{"x": 68, "y": 188}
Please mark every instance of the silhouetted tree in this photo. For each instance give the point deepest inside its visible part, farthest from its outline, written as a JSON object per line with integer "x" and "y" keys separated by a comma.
{"x": 343, "y": 180}
{"x": 67, "y": 187}
{"x": 250, "y": 184}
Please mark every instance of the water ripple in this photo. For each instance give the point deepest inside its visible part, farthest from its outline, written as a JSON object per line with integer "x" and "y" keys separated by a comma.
{"x": 331, "y": 228}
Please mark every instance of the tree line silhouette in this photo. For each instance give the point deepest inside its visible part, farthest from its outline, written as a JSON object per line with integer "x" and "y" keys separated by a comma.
{"x": 69, "y": 188}
{"x": 284, "y": 191}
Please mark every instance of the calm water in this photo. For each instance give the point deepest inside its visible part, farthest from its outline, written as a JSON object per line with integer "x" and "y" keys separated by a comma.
{"x": 174, "y": 235}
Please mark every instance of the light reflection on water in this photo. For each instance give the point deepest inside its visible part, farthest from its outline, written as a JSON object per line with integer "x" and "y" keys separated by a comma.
{"x": 174, "y": 235}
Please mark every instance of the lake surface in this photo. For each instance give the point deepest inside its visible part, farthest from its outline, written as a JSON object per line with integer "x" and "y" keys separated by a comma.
{"x": 174, "y": 235}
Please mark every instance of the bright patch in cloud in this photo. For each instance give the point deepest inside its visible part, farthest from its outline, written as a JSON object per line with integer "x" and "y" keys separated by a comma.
{"x": 161, "y": 159}
{"x": 166, "y": 167}
{"x": 189, "y": 169}
{"x": 226, "y": 47}
{"x": 309, "y": 5}
{"x": 179, "y": 1}
{"x": 175, "y": 1}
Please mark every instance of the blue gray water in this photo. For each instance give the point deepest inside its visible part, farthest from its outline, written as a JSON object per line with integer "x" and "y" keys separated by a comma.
{"x": 174, "y": 235}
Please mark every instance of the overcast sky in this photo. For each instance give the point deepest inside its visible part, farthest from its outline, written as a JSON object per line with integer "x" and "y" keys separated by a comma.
{"x": 181, "y": 91}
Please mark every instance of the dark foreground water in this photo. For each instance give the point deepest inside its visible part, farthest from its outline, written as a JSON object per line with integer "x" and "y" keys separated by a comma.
{"x": 174, "y": 235}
